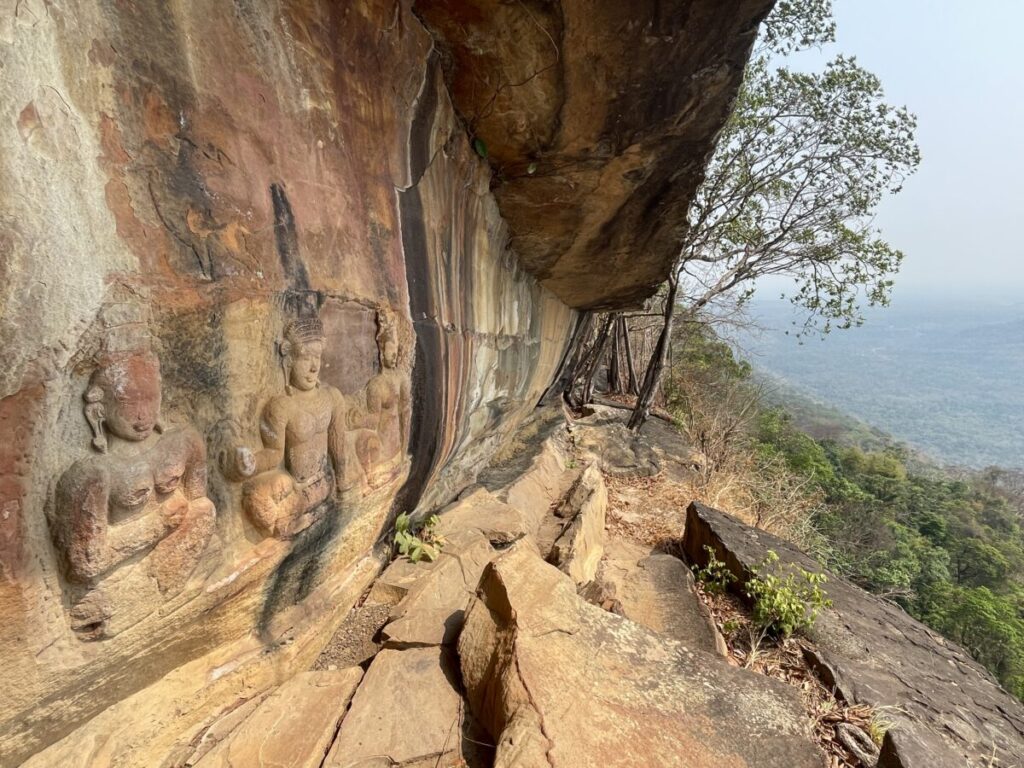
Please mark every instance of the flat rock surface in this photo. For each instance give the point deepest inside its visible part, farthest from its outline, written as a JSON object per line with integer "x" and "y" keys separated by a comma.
{"x": 560, "y": 682}
{"x": 657, "y": 590}
{"x": 408, "y": 711}
{"x": 481, "y": 511}
{"x": 291, "y": 728}
{"x": 432, "y": 611}
{"x": 948, "y": 710}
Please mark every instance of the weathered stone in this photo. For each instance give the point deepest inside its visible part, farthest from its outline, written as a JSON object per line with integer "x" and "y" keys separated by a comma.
{"x": 580, "y": 547}
{"x": 219, "y": 178}
{"x": 481, "y": 511}
{"x": 170, "y": 168}
{"x": 132, "y": 523}
{"x": 291, "y": 728}
{"x": 946, "y": 708}
{"x": 560, "y": 682}
{"x": 596, "y": 161}
{"x": 432, "y": 611}
{"x": 536, "y": 479}
{"x": 658, "y": 591}
{"x": 407, "y": 708}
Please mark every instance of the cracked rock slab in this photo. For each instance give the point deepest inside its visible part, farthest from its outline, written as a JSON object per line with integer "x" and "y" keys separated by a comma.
{"x": 580, "y": 547}
{"x": 559, "y": 682}
{"x": 293, "y": 727}
{"x": 408, "y": 711}
{"x": 481, "y": 511}
{"x": 657, "y": 590}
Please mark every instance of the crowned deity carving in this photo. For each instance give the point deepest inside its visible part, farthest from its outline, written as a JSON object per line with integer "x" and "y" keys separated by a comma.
{"x": 132, "y": 522}
{"x": 289, "y": 482}
{"x": 382, "y": 417}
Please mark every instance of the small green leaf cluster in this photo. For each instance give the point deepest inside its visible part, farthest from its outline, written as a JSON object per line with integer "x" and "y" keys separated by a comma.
{"x": 715, "y": 576}
{"x": 785, "y": 604}
{"x": 418, "y": 543}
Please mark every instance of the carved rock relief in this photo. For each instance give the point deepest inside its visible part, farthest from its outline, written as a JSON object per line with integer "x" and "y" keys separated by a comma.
{"x": 301, "y": 464}
{"x": 316, "y": 443}
{"x": 381, "y": 414}
{"x": 131, "y": 522}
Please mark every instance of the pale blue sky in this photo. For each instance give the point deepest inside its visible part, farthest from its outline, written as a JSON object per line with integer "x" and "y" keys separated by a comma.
{"x": 958, "y": 66}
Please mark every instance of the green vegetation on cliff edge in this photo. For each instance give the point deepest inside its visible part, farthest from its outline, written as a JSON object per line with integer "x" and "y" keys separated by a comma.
{"x": 946, "y": 546}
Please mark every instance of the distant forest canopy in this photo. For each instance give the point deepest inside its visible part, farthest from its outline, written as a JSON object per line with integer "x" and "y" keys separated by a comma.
{"x": 945, "y": 377}
{"x": 948, "y": 546}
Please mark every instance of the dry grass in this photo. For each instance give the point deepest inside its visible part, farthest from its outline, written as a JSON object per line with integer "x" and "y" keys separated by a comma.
{"x": 786, "y": 661}
{"x": 650, "y": 510}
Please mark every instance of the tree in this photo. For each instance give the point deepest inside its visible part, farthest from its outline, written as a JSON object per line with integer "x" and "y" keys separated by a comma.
{"x": 792, "y": 187}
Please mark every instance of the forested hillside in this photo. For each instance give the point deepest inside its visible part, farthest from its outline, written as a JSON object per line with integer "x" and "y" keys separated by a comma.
{"x": 946, "y": 545}
{"x": 944, "y": 376}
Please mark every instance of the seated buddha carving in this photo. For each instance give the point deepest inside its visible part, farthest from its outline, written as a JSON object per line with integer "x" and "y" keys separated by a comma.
{"x": 131, "y": 522}
{"x": 301, "y": 463}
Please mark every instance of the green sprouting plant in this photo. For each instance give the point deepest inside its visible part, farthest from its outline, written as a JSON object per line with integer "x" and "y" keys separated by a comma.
{"x": 418, "y": 542}
{"x": 785, "y": 604}
{"x": 715, "y": 576}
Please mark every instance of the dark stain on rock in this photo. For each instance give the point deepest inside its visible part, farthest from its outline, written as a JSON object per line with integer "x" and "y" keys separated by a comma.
{"x": 286, "y": 237}
{"x": 427, "y": 371}
{"x": 193, "y": 353}
{"x": 423, "y": 122}
{"x": 299, "y": 573}
{"x": 428, "y": 380}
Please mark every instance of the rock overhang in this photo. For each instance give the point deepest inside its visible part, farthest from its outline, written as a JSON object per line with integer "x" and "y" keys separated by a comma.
{"x": 597, "y": 119}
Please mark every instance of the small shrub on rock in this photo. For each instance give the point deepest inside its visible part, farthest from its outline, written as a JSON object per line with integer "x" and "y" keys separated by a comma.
{"x": 418, "y": 543}
{"x": 785, "y": 604}
{"x": 715, "y": 576}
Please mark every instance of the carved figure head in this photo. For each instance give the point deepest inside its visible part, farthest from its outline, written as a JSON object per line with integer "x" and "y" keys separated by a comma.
{"x": 301, "y": 354}
{"x": 123, "y": 398}
{"x": 387, "y": 338}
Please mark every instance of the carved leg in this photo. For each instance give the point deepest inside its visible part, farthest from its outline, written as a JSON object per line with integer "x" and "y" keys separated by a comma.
{"x": 272, "y": 503}
{"x": 174, "y": 559}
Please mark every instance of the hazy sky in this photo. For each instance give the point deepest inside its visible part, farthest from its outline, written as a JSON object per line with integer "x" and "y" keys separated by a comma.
{"x": 957, "y": 65}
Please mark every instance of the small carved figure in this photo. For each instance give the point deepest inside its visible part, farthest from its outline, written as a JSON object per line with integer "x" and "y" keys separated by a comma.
{"x": 132, "y": 522}
{"x": 301, "y": 464}
{"x": 384, "y": 415}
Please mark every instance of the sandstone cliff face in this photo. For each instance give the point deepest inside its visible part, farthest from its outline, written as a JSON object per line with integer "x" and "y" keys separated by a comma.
{"x": 257, "y": 295}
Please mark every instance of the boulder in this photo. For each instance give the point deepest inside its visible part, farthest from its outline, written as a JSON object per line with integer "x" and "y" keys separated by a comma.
{"x": 947, "y": 709}
{"x": 432, "y": 611}
{"x": 560, "y": 682}
{"x": 292, "y": 728}
{"x": 580, "y": 547}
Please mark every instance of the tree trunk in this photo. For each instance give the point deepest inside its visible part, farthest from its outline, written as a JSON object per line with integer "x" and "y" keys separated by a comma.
{"x": 630, "y": 365}
{"x": 656, "y": 366}
{"x": 593, "y": 363}
{"x": 580, "y": 346}
{"x": 615, "y": 363}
